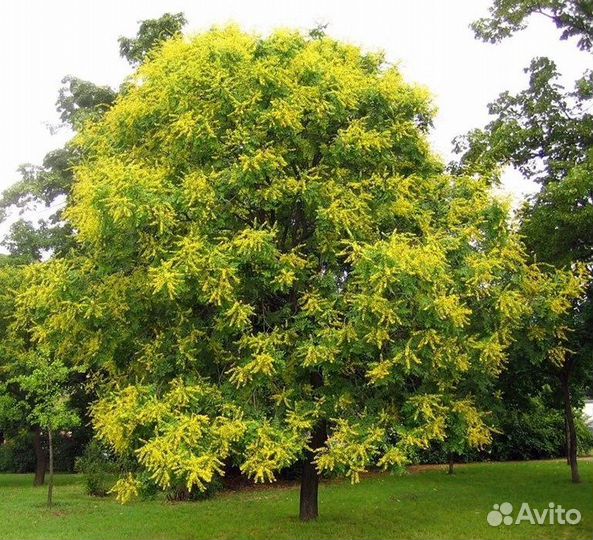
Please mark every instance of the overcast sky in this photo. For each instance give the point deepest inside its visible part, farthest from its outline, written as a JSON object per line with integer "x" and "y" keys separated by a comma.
{"x": 42, "y": 41}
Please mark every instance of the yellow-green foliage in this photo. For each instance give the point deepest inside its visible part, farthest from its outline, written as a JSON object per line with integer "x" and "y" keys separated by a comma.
{"x": 267, "y": 243}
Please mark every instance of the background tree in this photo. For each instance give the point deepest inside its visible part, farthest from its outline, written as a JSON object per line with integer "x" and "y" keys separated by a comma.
{"x": 14, "y": 406}
{"x": 45, "y": 383}
{"x": 151, "y": 34}
{"x": 545, "y": 132}
{"x": 43, "y": 192}
{"x": 546, "y": 336}
{"x": 297, "y": 278}
{"x": 573, "y": 17}
{"x": 32, "y": 386}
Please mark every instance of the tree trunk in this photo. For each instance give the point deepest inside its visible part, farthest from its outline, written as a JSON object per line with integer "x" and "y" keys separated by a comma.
{"x": 567, "y": 440}
{"x": 40, "y": 459}
{"x": 572, "y": 434}
{"x": 309, "y": 501}
{"x": 451, "y": 464}
{"x": 50, "y": 486}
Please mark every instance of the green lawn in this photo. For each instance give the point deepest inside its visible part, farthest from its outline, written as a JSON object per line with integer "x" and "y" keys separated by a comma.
{"x": 428, "y": 504}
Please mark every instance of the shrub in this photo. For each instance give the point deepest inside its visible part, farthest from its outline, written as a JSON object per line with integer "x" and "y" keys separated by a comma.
{"x": 181, "y": 493}
{"x": 99, "y": 469}
{"x": 584, "y": 437}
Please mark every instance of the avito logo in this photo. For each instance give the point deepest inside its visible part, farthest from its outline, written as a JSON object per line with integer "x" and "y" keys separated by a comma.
{"x": 554, "y": 514}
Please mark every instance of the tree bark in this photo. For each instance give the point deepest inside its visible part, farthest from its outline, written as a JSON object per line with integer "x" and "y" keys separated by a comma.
{"x": 50, "y": 486}
{"x": 567, "y": 441}
{"x": 571, "y": 430}
{"x": 40, "y": 459}
{"x": 451, "y": 464}
{"x": 309, "y": 500}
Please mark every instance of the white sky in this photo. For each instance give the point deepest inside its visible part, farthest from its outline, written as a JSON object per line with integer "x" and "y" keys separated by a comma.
{"x": 42, "y": 41}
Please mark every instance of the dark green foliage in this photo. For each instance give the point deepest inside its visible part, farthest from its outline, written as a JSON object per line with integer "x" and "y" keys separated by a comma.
{"x": 152, "y": 32}
{"x": 584, "y": 437}
{"x": 41, "y": 184}
{"x": 534, "y": 432}
{"x": 16, "y": 454}
{"x": 79, "y": 99}
{"x": 68, "y": 445}
{"x": 99, "y": 468}
{"x": 180, "y": 492}
{"x": 43, "y": 190}
{"x": 539, "y": 435}
{"x": 543, "y": 130}
{"x": 573, "y": 17}
{"x": 437, "y": 453}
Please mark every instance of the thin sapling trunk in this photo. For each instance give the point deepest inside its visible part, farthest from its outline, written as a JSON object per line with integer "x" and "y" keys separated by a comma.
{"x": 50, "y": 486}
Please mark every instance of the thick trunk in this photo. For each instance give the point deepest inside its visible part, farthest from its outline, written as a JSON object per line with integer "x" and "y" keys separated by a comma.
{"x": 309, "y": 501}
{"x": 40, "y": 459}
{"x": 451, "y": 464}
{"x": 50, "y": 487}
{"x": 571, "y": 430}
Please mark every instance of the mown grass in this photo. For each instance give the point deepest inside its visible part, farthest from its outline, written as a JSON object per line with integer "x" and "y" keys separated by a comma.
{"x": 421, "y": 505}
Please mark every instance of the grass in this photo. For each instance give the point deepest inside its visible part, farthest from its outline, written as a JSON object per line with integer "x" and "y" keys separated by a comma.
{"x": 428, "y": 504}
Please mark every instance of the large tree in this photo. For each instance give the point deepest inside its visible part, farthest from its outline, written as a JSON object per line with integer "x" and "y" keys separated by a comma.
{"x": 273, "y": 267}
{"x": 545, "y": 131}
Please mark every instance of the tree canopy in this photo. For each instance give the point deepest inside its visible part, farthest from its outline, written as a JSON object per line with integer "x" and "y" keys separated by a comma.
{"x": 573, "y": 17}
